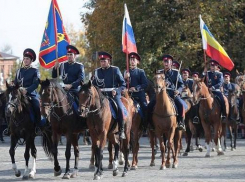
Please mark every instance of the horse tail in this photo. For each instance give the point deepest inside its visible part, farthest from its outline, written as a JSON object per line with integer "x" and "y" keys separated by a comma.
{"x": 47, "y": 142}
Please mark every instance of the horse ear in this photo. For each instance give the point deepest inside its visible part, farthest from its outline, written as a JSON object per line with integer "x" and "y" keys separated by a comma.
{"x": 7, "y": 84}
{"x": 89, "y": 83}
{"x": 81, "y": 83}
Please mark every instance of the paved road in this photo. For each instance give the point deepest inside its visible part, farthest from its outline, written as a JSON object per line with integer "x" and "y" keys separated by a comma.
{"x": 195, "y": 167}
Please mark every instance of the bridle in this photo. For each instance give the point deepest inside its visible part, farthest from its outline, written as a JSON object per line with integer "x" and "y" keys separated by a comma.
{"x": 50, "y": 106}
{"x": 87, "y": 105}
{"x": 158, "y": 87}
{"x": 202, "y": 97}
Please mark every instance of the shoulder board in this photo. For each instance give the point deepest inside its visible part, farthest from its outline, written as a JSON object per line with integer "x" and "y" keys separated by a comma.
{"x": 79, "y": 63}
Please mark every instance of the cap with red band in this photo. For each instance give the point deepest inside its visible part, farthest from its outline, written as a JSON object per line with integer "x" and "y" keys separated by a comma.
{"x": 134, "y": 55}
{"x": 104, "y": 55}
{"x": 185, "y": 71}
{"x": 29, "y": 53}
{"x": 72, "y": 49}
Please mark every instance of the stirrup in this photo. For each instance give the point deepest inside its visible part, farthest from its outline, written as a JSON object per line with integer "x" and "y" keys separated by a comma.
{"x": 122, "y": 135}
{"x": 181, "y": 126}
{"x": 196, "y": 120}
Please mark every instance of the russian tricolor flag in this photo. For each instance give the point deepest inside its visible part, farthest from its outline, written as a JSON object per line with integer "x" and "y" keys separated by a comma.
{"x": 213, "y": 48}
{"x": 128, "y": 40}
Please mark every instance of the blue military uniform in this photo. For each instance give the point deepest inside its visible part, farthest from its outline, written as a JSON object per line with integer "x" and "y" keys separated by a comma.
{"x": 108, "y": 79}
{"x": 189, "y": 83}
{"x": 28, "y": 78}
{"x": 139, "y": 81}
{"x": 215, "y": 81}
{"x": 71, "y": 73}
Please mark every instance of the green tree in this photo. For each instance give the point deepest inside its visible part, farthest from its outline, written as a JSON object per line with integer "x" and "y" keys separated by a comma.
{"x": 166, "y": 27}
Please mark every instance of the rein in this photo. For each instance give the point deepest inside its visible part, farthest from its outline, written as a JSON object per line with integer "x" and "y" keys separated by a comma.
{"x": 57, "y": 105}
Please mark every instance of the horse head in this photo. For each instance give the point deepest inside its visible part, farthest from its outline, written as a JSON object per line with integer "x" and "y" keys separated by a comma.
{"x": 232, "y": 99}
{"x": 46, "y": 96}
{"x": 159, "y": 82}
{"x": 16, "y": 100}
{"x": 200, "y": 90}
{"x": 186, "y": 93}
{"x": 86, "y": 98}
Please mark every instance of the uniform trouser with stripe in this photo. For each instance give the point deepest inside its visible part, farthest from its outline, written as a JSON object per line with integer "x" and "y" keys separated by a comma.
{"x": 36, "y": 108}
{"x": 117, "y": 99}
{"x": 221, "y": 101}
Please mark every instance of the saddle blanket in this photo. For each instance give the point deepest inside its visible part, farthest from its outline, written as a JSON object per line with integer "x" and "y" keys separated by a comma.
{"x": 113, "y": 112}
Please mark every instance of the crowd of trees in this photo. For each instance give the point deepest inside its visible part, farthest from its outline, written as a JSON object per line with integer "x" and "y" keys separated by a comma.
{"x": 166, "y": 27}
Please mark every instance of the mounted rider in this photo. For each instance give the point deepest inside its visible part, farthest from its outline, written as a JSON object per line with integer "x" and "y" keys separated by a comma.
{"x": 28, "y": 78}
{"x": 137, "y": 83}
{"x": 229, "y": 87}
{"x": 215, "y": 81}
{"x": 72, "y": 72}
{"x": 110, "y": 80}
{"x": 173, "y": 78}
{"x": 186, "y": 80}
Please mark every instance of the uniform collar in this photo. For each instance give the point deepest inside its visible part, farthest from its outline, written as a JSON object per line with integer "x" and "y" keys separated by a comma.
{"x": 106, "y": 68}
{"x": 27, "y": 67}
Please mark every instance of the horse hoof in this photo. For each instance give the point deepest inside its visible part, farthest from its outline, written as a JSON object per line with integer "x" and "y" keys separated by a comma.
{"x": 91, "y": 166}
{"x": 207, "y": 155}
{"x": 152, "y": 164}
{"x": 162, "y": 167}
{"x": 97, "y": 177}
{"x": 26, "y": 177}
{"x": 74, "y": 173}
{"x": 18, "y": 173}
{"x": 124, "y": 174}
{"x": 66, "y": 176}
{"x": 200, "y": 149}
{"x": 213, "y": 149}
{"x": 133, "y": 167}
{"x": 57, "y": 173}
{"x": 221, "y": 153}
{"x": 115, "y": 172}
{"x": 191, "y": 148}
{"x": 32, "y": 175}
{"x": 110, "y": 166}
{"x": 175, "y": 166}
{"x": 185, "y": 154}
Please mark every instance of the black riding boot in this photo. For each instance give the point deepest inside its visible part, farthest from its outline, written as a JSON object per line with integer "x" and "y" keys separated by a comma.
{"x": 145, "y": 120}
{"x": 149, "y": 119}
{"x": 196, "y": 119}
{"x": 181, "y": 123}
{"x": 122, "y": 130}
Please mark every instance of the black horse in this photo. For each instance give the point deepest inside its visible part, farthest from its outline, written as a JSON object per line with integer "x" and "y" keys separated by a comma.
{"x": 59, "y": 110}
{"x": 21, "y": 127}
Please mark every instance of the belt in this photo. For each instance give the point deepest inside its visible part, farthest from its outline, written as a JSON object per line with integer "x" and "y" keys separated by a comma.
{"x": 107, "y": 89}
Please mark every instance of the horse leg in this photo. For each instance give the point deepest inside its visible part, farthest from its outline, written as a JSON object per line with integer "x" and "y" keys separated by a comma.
{"x": 74, "y": 141}
{"x": 177, "y": 140}
{"x": 188, "y": 138}
{"x": 223, "y": 137}
{"x": 68, "y": 156}
{"x": 115, "y": 161}
{"x": 217, "y": 132}
{"x": 91, "y": 165}
{"x": 99, "y": 156}
{"x": 57, "y": 169}
{"x": 12, "y": 154}
{"x": 197, "y": 138}
{"x": 231, "y": 136}
{"x": 152, "y": 142}
{"x": 235, "y": 135}
{"x": 34, "y": 155}
{"x": 27, "y": 157}
{"x": 110, "y": 166}
{"x": 162, "y": 148}
{"x": 207, "y": 132}
{"x": 125, "y": 148}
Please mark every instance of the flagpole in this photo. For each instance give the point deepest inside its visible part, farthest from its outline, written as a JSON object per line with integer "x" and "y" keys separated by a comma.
{"x": 56, "y": 43}
{"x": 126, "y": 42}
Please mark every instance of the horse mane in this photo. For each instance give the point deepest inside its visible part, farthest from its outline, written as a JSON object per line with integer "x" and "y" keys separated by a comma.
{"x": 56, "y": 84}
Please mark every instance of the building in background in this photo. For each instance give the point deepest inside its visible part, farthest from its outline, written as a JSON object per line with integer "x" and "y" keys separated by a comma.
{"x": 7, "y": 62}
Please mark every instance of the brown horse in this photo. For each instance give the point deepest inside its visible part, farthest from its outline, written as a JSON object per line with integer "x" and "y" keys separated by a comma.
{"x": 192, "y": 130}
{"x": 165, "y": 122}
{"x": 21, "y": 127}
{"x": 233, "y": 117}
{"x": 64, "y": 120}
{"x": 210, "y": 115}
{"x": 137, "y": 129}
{"x": 94, "y": 106}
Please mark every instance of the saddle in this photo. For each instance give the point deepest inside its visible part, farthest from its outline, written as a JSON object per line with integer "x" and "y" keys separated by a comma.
{"x": 114, "y": 109}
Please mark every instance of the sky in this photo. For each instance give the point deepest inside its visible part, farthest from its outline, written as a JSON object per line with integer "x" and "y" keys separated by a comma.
{"x": 22, "y": 22}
